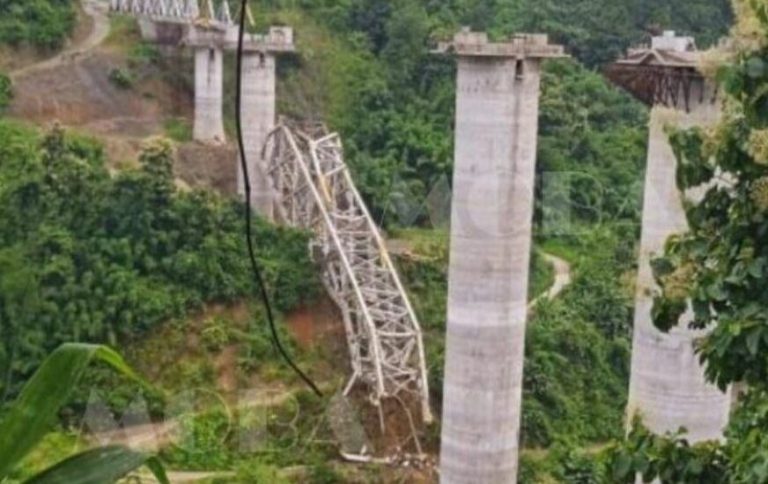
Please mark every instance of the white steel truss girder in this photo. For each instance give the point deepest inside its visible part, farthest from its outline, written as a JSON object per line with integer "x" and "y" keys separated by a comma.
{"x": 313, "y": 190}
{"x": 178, "y": 11}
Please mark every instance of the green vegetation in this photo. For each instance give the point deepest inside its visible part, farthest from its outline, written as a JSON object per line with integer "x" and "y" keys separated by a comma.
{"x": 30, "y": 418}
{"x": 577, "y": 348}
{"x": 121, "y": 78}
{"x": 178, "y": 129}
{"x": 579, "y": 339}
{"x": 128, "y": 259}
{"x": 103, "y": 259}
{"x": 597, "y": 31}
{"x": 542, "y": 275}
{"x": 720, "y": 266}
{"x": 367, "y": 70}
{"x": 123, "y": 32}
{"x": 6, "y": 91}
{"x": 40, "y": 23}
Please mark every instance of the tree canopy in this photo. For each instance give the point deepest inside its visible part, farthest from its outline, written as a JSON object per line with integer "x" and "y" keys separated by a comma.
{"x": 41, "y": 23}
{"x": 88, "y": 257}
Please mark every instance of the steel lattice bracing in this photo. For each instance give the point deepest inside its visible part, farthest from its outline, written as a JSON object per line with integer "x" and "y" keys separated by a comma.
{"x": 315, "y": 191}
{"x": 176, "y": 11}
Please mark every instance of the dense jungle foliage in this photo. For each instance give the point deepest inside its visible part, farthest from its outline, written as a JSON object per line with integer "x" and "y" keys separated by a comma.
{"x": 86, "y": 256}
{"x": 365, "y": 67}
{"x": 6, "y": 91}
{"x": 39, "y": 23}
{"x": 577, "y": 346}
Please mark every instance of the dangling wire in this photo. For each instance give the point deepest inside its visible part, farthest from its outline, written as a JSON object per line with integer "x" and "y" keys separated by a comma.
{"x": 249, "y": 210}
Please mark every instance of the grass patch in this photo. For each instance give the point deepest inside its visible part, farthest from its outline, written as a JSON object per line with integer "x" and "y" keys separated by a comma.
{"x": 541, "y": 275}
{"x": 561, "y": 248}
{"x": 178, "y": 129}
{"x": 123, "y": 32}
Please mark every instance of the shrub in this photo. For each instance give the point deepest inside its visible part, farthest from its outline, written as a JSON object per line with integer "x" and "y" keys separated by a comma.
{"x": 6, "y": 91}
{"x": 41, "y": 23}
{"x": 178, "y": 129}
{"x": 121, "y": 78}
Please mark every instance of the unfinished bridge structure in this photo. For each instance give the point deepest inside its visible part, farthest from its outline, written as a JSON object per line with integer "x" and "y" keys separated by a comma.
{"x": 299, "y": 178}
{"x": 668, "y": 389}
{"x": 208, "y": 28}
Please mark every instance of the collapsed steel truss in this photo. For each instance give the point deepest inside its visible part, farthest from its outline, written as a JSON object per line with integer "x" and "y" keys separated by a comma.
{"x": 177, "y": 11}
{"x": 314, "y": 191}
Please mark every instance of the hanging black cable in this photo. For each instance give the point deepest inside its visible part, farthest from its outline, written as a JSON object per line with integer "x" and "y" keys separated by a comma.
{"x": 249, "y": 210}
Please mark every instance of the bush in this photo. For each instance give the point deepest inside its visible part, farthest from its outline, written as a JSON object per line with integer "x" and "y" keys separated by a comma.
{"x": 178, "y": 129}
{"x": 121, "y": 78}
{"x": 107, "y": 259}
{"x": 40, "y": 23}
{"x": 6, "y": 91}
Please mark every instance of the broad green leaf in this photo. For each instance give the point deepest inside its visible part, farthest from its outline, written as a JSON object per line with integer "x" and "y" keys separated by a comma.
{"x": 35, "y": 411}
{"x": 99, "y": 466}
{"x": 622, "y": 466}
{"x": 753, "y": 340}
{"x": 755, "y": 67}
{"x": 756, "y": 267}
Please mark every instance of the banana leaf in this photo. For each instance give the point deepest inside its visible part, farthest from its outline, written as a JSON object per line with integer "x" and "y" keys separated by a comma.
{"x": 35, "y": 411}
{"x": 98, "y": 466}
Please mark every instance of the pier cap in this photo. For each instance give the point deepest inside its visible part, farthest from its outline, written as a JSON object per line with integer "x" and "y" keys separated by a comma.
{"x": 476, "y": 44}
{"x": 277, "y": 40}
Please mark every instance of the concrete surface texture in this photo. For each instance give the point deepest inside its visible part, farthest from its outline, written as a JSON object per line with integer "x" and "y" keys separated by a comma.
{"x": 667, "y": 385}
{"x": 496, "y": 131}
{"x": 258, "y": 114}
{"x": 209, "y": 93}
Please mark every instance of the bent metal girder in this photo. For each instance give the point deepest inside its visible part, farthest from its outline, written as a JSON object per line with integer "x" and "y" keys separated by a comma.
{"x": 177, "y": 11}
{"x": 313, "y": 190}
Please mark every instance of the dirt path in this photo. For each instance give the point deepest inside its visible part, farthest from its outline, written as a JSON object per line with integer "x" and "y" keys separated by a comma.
{"x": 562, "y": 279}
{"x": 97, "y": 10}
{"x": 154, "y": 437}
{"x": 182, "y": 477}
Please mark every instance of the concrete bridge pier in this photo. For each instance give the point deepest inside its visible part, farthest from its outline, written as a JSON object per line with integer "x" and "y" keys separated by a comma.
{"x": 259, "y": 115}
{"x": 667, "y": 388}
{"x": 209, "y": 94}
{"x": 497, "y": 110}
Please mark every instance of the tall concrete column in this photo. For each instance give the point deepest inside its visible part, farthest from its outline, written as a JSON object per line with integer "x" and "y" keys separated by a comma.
{"x": 667, "y": 385}
{"x": 497, "y": 110}
{"x": 209, "y": 94}
{"x": 258, "y": 114}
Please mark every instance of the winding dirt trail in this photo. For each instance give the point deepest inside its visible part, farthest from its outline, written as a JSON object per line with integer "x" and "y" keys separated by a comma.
{"x": 98, "y": 12}
{"x": 152, "y": 438}
{"x": 562, "y": 279}
{"x": 156, "y": 436}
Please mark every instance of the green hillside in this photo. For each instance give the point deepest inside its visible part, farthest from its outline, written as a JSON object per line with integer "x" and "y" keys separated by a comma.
{"x": 41, "y": 23}
{"x": 133, "y": 259}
